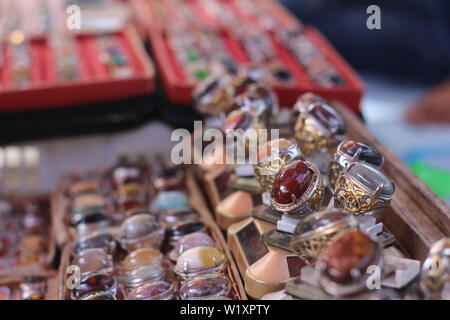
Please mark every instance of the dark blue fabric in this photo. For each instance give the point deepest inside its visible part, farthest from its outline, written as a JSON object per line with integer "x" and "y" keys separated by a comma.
{"x": 414, "y": 40}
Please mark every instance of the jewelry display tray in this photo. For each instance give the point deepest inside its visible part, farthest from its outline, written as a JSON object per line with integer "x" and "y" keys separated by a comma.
{"x": 417, "y": 217}
{"x": 94, "y": 83}
{"x": 44, "y": 268}
{"x": 13, "y": 282}
{"x": 179, "y": 89}
{"x": 56, "y": 287}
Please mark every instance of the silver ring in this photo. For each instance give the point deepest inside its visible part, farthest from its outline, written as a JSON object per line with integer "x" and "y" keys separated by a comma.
{"x": 362, "y": 189}
{"x": 352, "y": 151}
{"x": 318, "y": 127}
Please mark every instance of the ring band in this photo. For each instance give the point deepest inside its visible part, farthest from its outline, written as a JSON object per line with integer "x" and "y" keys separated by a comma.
{"x": 312, "y": 236}
{"x": 362, "y": 189}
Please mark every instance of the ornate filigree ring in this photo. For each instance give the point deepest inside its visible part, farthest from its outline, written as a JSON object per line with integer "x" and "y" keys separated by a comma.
{"x": 260, "y": 100}
{"x": 266, "y": 169}
{"x": 316, "y": 231}
{"x": 362, "y": 189}
{"x": 214, "y": 95}
{"x": 309, "y": 202}
{"x": 318, "y": 127}
{"x": 352, "y": 151}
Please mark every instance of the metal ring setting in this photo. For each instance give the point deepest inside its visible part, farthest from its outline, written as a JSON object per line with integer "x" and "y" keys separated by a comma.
{"x": 309, "y": 203}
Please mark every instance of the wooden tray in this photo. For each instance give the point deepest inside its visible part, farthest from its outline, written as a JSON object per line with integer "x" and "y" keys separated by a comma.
{"x": 198, "y": 203}
{"x": 417, "y": 216}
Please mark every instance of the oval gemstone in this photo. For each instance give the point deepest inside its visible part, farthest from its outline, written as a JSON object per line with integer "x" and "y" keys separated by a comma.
{"x": 91, "y": 260}
{"x": 150, "y": 291}
{"x": 94, "y": 240}
{"x": 367, "y": 154}
{"x": 328, "y": 117}
{"x": 371, "y": 178}
{"x": 199, "y": 257}
{"x": 193, "y": 240}
{"x": 184, "y": 227}
{"x": 204, "y": 287}
{"x": 354, "y": 250}
{"x": 138, "y": 226}
{"x": 293, "y": 180}
{"x": 273, "y": 146}
{"x": 141, "y": 257}
{"x": 94, "y": 283}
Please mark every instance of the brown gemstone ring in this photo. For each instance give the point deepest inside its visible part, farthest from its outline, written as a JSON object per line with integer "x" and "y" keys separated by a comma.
{"x": 297, "y": 190}
{"x": 341, "y": 269}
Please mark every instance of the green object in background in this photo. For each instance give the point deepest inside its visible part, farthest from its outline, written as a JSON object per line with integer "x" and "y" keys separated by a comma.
{"x": 437, "y": 179}
{"x": 201, "y": 74}
{"x": 192, "y": 56}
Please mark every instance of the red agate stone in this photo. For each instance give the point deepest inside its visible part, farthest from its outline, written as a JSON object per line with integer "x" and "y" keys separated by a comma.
{"x": 294, "y": 179}
{"x": 354, "y": 250}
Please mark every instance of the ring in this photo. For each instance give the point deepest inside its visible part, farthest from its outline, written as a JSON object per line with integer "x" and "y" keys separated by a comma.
{"x": 362, "y": 189}
{"x": 316, "y": 231}
{"x": 297, "y": 190}
{"x": 342, "y": 265}
{"x": 318, "y": 126}
{"x": 302, "y": 103}
{"x": 271, "y": 158}
{"x": 250, "y": 135}
{"x": 435, "y": 278}
{"x": 214, "y": 95}
{"x": 352, "y": 151}
{"x": 259, "y": 100}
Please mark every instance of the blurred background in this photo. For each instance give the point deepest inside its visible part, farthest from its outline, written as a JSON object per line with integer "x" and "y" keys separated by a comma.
{"x": 406, "y": 102}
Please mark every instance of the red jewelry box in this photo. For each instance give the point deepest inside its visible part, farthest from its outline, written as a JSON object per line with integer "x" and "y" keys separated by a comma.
{"x": 179, "y": 89}
{"x": 94, "y": 85}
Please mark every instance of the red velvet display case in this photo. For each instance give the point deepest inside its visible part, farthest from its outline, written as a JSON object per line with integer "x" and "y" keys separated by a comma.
{"x": 179, "y": 89}
{"x": 94, "y": 83}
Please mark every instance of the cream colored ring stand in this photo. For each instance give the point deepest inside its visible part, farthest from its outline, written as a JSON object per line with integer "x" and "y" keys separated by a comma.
{"x": 268, "y": 274}
{"x": 234, "y": 208}
{"x": 264, "y": 268}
